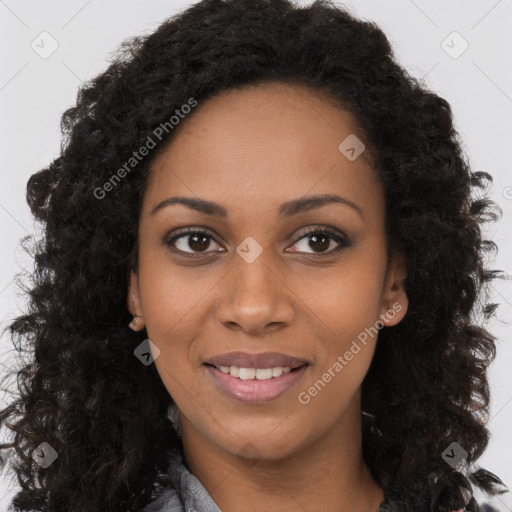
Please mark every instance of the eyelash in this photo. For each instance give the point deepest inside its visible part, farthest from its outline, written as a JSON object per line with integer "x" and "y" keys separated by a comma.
{"x": 331, "y": 232}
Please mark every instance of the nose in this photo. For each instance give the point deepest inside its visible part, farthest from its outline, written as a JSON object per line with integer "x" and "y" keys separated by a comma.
{"x": 254, "y": 297}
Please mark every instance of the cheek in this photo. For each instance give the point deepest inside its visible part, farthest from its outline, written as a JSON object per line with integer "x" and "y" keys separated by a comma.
{"x": 346, "y": 356}
{"x": 346, "y": 301}
{"x": 348, "y": 311}
{"x": 171, "y": 308}
{"x": 172, "y": 297}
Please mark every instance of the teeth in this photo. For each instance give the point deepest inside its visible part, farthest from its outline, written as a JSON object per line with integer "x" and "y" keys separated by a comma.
{"x": 264, "y": 374}
{"x": 255, "y": 373}
{"x": 247, "y": 373}
{"x": 277, "y": 371}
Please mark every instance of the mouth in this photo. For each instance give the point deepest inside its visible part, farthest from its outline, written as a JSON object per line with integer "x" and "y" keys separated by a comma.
{"x": 255, "y": 385}
{"x": 255, "y": 373}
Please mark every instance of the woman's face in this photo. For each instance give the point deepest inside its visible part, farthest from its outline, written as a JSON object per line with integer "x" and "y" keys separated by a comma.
{"x": 256, "y": 282}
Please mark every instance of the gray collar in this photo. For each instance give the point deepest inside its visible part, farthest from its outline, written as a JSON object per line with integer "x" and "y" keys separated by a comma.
{"x": 187, "y": 494}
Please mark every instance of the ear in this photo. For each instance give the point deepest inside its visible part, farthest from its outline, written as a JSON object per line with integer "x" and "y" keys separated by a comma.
{"x": 394, "y": 298}
{"x": 134, "y": 302}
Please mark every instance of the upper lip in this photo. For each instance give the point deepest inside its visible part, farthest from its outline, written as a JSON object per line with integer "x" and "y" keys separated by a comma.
{"x": 251, "y": 360}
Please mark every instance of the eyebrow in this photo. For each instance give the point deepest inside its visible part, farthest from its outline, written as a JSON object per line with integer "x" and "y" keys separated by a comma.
{"x": 287, "y": 209}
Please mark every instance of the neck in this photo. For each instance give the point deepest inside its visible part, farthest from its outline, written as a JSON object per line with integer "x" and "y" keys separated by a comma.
{"x": 329, "y": 474}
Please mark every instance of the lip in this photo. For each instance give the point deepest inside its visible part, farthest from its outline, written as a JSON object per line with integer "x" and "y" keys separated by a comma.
{"x": 256, "y": 391}
{"x": 253, "y": 360}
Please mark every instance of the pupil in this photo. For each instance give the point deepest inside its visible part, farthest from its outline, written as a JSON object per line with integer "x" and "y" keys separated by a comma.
{"x": 315, "y": 238}
{"x": 201, "y": 246}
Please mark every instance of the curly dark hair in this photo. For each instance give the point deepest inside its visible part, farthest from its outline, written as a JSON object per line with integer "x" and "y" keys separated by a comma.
{"x": 83, "y": 391}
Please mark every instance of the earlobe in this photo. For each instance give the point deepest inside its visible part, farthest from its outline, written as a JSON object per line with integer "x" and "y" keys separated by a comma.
{"x": 137, "y": 323}
{"x": 134, "y": 303}
{"x": 395, "y": 300}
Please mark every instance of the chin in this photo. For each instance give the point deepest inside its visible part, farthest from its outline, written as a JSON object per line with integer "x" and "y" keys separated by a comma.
{"x": 261, "y": 447}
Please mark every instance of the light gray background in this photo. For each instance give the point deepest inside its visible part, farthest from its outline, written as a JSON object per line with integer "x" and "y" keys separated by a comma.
{"x": 478, "y": 84}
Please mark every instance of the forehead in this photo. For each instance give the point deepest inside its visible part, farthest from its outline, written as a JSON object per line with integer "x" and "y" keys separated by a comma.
{"x": 267, "y": 141}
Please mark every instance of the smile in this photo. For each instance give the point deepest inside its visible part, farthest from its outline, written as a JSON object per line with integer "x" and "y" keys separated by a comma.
{"x": 255, "y": 385}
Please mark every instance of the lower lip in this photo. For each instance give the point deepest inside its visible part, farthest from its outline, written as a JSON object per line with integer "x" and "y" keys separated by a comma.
{"x": 256, "y": 391}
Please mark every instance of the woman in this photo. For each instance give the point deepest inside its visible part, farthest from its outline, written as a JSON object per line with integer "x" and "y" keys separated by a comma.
{"x": 260, "y": 232}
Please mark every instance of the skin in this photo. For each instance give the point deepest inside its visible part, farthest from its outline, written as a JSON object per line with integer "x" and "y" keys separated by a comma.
{"x": 252, "y": 149}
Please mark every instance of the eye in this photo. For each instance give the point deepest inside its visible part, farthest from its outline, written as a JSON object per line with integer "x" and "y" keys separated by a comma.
{"x": 198, "y": 240}
{"x": 320, "y": 239}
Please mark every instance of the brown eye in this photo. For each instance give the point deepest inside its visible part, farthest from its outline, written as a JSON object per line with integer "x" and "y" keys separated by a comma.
{"x": 321, "y": 240}
{"x": 191, "y": 241}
